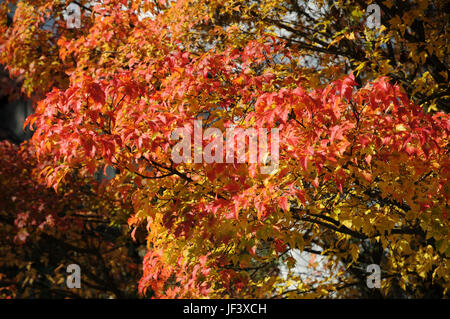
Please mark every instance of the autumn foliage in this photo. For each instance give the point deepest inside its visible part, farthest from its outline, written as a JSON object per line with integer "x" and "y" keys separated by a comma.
{"x": 364, "y": 165}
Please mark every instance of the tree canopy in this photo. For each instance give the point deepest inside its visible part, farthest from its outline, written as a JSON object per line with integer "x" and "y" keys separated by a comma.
{"x": 363, "y": 170}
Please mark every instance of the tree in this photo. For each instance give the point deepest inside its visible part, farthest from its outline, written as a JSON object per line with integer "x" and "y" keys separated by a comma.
{"x": 363, "y": 168}
{"x": 43, "y": 232}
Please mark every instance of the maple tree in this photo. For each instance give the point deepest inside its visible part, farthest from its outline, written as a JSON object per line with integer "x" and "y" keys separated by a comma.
{"x": 83, "y": 225}
{"x": 363, "y": 172}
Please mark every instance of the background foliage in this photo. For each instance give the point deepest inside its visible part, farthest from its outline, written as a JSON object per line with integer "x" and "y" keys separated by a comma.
{"x": 364, "y": 153}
